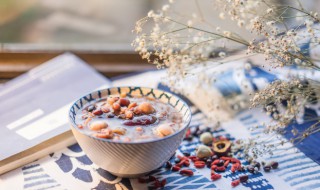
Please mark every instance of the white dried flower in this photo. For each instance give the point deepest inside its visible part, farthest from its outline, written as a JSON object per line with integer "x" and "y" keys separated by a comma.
{"x": 165, "y": 8}
{"x": 206, "y": 138}
{"x": 240, "y": 23}
{"x": 270, "y": 23}
{"x": 270, "y": 10}
{"x": 291, "y": 33}
{"x": 297, "y": 61}
{"x": 150, "y": 14}
{"x": 222, "y": 54}
{"x": 227, "y": 33}
{"x": 222, "y": 16}
{"x": 247, "y": 66}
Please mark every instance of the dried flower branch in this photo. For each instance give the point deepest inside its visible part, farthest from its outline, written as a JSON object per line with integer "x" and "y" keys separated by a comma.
{"x": 284, "y": 34}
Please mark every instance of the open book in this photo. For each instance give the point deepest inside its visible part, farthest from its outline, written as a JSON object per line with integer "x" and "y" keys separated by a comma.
{"x": 34, "y": 109}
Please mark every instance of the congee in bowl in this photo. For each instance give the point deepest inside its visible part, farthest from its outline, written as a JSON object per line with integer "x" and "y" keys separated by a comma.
{"x": 128, "y": 118}
{"x": 129, "y": 131}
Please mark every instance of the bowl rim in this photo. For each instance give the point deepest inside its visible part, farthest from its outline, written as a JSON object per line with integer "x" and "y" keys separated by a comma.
{"x": 187, "y": 123}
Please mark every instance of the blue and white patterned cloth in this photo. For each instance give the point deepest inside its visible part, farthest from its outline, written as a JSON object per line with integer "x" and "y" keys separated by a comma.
{"x": 71, "y": 169}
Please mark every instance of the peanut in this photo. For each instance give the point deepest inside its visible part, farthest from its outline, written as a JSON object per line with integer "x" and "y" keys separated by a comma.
{"x": 105, "y": 133}
{"x": 129, "y": 114}
{"x": 151, "y": 98}
{"x": 206, "y": 138}
{"x": 122, "y": 110}
{"x": 164, "y": 130}
{"x": 203, "y": 151}
{"x": 137, "y": 111}
{"x": 116, "y": 106}
{"x": 98, "y": 125}
{"x": 132, "y": 105}
{"x": 111, "y": 100}
{"x": 146, "y": 108}
{"x": 119, "y": 131}
{"x": 123, "y": 95}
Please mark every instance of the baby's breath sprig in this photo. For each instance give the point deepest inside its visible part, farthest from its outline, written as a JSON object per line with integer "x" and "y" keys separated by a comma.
{"x": 285, "y": 102}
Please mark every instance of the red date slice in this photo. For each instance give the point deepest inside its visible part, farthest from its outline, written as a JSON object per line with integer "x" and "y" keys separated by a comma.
{"x": 141, "y": 120}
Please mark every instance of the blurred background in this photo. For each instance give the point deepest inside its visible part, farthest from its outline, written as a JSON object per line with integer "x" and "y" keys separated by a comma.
{"x": 74, "y": 22}
{"x": 98, "y": 31}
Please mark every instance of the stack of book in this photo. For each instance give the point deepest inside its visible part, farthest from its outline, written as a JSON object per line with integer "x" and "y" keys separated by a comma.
{"x": 34, "y": 109}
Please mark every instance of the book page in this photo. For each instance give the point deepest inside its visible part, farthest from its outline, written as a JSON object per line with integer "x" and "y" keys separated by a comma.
{"x": 34, "y": 106}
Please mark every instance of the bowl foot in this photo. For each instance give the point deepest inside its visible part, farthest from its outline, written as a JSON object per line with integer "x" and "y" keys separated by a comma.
{"x": 129, "y": 175}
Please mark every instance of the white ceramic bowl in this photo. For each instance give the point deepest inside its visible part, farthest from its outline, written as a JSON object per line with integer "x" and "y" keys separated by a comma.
{"x": 130, "y": 159}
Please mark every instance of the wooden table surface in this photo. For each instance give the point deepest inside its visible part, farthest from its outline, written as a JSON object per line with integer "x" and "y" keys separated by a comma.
{"x": 109, "y": 63}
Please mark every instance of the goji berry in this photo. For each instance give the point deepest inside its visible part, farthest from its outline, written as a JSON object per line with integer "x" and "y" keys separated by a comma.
{"x": 175, "y": 168}
{"x": 234, "y": 160}
{"x": 186, "y": 163}
{"x": 215, "y": 162}
{"x": 215, "y": 177}
{"x": 181, "y": 163}
{"x": 199, "y": 162}
{"x": 213, "y": 167}
{"x": 182, "y": 157}
{"x": 220, "y": 169}
{"x": 199, "y": 165}
{"x": 233, "y": 169}
{"x": 226, "y": 163}
{"x": 188, "y": 133}
{"x": 186, "y": 172}
{"x": 191, "y": 157}
{"x": 235, "y": 183}
{"x": 163, "y": 182}
{"x": 194, "y": 159}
